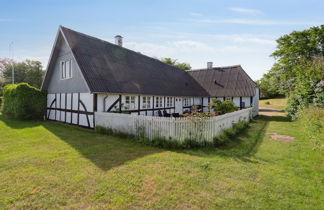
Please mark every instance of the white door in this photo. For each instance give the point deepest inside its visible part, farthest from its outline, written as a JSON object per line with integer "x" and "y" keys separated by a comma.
{"x": 178, "y": 105}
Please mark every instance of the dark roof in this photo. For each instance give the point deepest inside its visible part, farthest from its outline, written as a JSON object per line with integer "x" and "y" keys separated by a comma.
{"x": 225, "y": 81}
{"x": 110, "y": 68}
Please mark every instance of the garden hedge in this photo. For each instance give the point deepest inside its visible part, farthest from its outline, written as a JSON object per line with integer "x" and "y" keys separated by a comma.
{"x": 24, "y": 102}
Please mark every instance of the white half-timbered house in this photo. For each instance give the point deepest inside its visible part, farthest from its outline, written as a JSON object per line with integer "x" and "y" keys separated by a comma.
{"x": 86, "y": 75}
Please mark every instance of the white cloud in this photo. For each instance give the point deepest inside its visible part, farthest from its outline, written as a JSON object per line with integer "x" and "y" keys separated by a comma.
{"x": 246, "y": 11}
{"x": 196, "y": 14}
{"x": 251, "y": 51}
{"x": 256, "y": 22}
{"x": 235, "y": 38}
{"x": 254, "y": 40}
{"x": 186, "y": 45}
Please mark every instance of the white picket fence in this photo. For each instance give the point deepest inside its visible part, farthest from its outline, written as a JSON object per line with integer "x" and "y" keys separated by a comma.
{"x": 200, "y": 129}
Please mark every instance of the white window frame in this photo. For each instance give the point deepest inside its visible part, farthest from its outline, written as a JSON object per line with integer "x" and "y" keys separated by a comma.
{"x": 228, "y": 98}
{"x": 146, "y": 102}
{"x": 129, "y": 102}
{"x": 159, "y": 102}
{"x": 186, "y": 102}
{"x": 64, "y": 74}
{"x": 169, "y": 102}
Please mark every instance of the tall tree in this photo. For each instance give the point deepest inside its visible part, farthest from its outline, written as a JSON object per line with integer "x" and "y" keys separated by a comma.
{"x": 299, "y": 69}
{"x": 173, "y": 62}
{"x": 268, "y": 86}
{"x": 293, "y": 51}
{"x": 27, "y": 71}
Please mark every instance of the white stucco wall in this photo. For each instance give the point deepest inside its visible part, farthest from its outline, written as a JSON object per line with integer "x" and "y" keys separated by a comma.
{"x": 64, "y": 102}
{"x": 76, "y": 83}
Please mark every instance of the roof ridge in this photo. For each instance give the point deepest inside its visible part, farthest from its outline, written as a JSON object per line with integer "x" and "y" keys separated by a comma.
{"x": 217, "y": 68}
{"x": 92, "y": 37}
{"x": 136, "y": 85}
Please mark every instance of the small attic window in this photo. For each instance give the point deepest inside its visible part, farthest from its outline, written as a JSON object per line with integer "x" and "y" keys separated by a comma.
{"x": 66, "y": 69}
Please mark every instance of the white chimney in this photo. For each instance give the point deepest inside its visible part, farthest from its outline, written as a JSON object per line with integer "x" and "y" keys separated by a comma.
{"x": 119, "y": 40}
{"x": 209, "y": 65}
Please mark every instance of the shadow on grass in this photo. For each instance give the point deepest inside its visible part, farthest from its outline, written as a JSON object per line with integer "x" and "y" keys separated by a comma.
{"x": 107, "y": 152}
{"x": 244, "y": 146}
{"x": 15, "y": 124}
{"x": 104, "y": 151}
{"x": 271, "y": 110}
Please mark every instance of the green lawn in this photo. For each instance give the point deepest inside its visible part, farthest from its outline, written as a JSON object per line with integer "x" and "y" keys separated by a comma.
{"x": 275, "y": 103}
{"x": 51, "y": 165}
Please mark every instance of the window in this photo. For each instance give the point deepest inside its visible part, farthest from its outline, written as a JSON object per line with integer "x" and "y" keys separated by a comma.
{"x": 129, "y": 102}
{"x": 146, "y": 102}
{"x": 228, "y": 98}
{"x": 186, "y": 102}
{"x": 66, "y": 69}
{"x": 169, "y": 101}
{"x": 159, "y": 102}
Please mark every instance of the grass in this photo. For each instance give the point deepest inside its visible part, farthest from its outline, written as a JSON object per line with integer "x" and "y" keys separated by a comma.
{"x": 275, "y": 103}
{"x": 51, "y": 165}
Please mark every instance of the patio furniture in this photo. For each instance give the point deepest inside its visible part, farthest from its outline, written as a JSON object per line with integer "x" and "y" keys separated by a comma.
{"x": 160, "y": 113}
{"x": 165, "y": 114}
{"x": 175, "y": 115}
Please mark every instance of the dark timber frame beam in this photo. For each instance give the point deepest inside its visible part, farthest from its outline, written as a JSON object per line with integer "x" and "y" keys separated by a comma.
{"x": 241, "y": 102}
{"x": 120, "y": 103}
{"x": 139, "y": 105}
{"x": 112, "y": 106}
{"x": 153, "y": 106}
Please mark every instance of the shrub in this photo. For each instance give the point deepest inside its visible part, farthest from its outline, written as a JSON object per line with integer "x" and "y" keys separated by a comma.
{"x": 303, "y": 96}
{"x": 223, "y": 107}
{"x": 24, "y": 102}
{"x": 267, "y": 103}
{"x": 312, "y": 120}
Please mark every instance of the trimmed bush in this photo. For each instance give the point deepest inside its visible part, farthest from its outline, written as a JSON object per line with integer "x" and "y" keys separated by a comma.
{"x": 223, "y": 107}
{"x": 24, "y": 102}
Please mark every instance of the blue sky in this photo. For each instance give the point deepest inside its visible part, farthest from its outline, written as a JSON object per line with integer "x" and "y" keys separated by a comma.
{"x": 227, "y": 32}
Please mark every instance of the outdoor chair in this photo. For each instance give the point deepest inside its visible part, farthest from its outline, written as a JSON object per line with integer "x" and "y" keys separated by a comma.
{"x": 160, "y": 113}
{"x": 175, "y": 115}
{"x": 165, "y": 114}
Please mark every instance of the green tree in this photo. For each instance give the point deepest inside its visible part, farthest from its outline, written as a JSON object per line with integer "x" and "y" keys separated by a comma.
{"x": 27, "y": 71}
{"x": 173, "y": 62}
{"x": 268, "y": 86}
{"x": 299, "y": 70}
{"x": 294, "y": 52}
{"x": 309, "y": 87}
